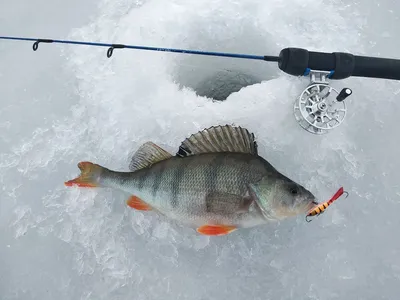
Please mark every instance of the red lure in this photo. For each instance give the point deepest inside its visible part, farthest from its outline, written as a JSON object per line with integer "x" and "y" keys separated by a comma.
{"x": 320, "y": 208}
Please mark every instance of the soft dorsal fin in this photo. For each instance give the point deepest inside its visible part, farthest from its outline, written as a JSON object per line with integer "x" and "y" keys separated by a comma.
{"x": 219, "y": 139}
{"x": 147, "y": 154}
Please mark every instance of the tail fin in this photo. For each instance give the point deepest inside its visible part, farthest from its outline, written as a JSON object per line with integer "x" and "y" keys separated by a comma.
{"x": 89, "y": 177}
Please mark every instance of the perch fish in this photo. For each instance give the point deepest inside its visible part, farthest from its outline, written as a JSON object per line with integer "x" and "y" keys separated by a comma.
{"x": 216, "y": 182}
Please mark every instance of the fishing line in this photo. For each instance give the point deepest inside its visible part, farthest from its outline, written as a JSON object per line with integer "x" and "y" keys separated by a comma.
{"x": 320, "y": 108}
{"x": 111, "y": 48}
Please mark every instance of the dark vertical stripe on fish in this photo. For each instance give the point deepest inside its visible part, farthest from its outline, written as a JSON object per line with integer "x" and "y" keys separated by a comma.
{"x": 158, "y": 178}
{"x": 246, "y": 175}
{"x": 142, "y": 178}
{"x": 211, "y": 176}
{"x": 177, "y": 176}
{"x": 211, "y": 179}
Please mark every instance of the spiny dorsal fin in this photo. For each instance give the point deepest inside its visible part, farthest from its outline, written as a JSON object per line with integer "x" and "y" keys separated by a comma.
{"x": 147, "y": 154}
{"x": 219, "y": 139}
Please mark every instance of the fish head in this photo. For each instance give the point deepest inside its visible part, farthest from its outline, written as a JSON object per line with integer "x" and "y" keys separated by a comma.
{"x": 281, "y": 197}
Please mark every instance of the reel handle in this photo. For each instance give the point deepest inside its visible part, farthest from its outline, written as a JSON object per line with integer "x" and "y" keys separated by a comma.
{"x": 297, "y": 62}
{"x": 344, "y": 93}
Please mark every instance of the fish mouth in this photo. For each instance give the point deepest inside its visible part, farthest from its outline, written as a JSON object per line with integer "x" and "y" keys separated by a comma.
{"x": 285, "y": 212}
{"x": 311, "y": 205}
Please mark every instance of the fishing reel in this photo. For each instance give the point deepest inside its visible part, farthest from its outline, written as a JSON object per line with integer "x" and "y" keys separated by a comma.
{"x": 320, "y": 107}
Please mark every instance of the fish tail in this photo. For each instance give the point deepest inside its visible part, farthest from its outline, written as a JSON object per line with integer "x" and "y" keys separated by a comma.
{"x": 89, "y": 177}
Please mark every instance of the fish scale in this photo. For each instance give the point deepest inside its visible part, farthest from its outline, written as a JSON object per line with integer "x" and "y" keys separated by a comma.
{"x": 190, "y": 179}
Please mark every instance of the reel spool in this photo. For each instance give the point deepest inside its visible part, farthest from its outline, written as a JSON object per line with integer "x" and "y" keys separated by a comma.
{"x": 320, "y": 107}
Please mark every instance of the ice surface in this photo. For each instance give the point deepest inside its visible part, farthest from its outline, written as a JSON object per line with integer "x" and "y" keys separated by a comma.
{"x": 61, "y": 105}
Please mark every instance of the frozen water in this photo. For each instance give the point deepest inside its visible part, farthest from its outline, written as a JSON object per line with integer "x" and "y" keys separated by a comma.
{"x": 62, "y": 105}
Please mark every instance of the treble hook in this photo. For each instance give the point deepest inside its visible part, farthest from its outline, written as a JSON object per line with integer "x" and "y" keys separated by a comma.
{"x": 316, "y": 215}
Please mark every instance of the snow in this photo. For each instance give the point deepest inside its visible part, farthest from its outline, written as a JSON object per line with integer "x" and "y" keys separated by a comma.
{"x": 64, "y": 104}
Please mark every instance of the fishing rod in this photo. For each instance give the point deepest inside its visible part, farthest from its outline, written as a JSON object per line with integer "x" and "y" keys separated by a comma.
{"x": 320, "y": 107}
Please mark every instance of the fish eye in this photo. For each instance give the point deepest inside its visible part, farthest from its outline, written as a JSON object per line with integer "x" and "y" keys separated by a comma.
{"x": 294, "y": 190}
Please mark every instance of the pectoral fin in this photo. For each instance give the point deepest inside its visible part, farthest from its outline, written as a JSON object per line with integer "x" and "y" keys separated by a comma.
{"x": 225, "y": 203}
{"x": 216, "y": 229}
{"x": 137, "y": 203}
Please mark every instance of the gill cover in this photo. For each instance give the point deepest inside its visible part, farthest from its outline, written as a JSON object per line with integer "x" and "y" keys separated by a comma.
{"x": 280, "y": 197}
{"x": 263, "y": 193}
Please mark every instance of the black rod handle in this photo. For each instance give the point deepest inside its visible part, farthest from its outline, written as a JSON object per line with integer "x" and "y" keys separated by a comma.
{"x": 386, "y": 68}
{"x": 297, "y": 61}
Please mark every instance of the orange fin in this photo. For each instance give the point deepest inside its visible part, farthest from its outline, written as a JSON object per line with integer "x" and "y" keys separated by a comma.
{"x": 216, "y": 229}
{"x": 137, "y": 203}
{"x": 89, "y": 177}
